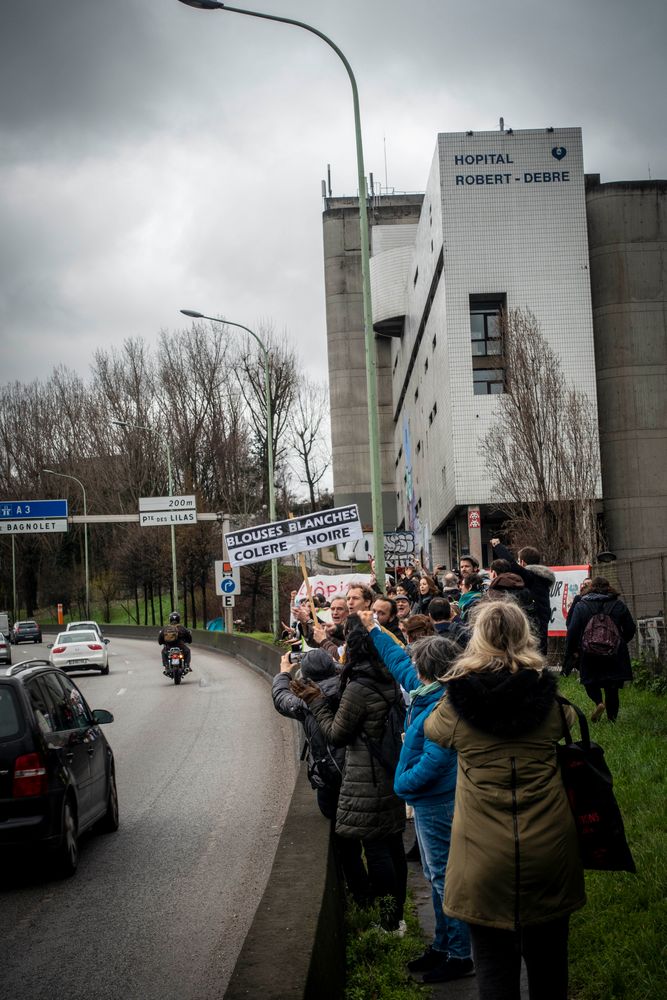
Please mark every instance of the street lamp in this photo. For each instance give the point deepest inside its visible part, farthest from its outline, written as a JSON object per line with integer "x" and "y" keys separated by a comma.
{"x": 63, "y": 475}
{"x": 275, "y": 618}
{"x": 142, "y": 427}
{"x": 369, "y": 334}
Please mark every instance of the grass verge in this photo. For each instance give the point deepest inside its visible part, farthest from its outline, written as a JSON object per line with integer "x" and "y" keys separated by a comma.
{"x": 376, "y": 961}
{"x": 617, "y": 942}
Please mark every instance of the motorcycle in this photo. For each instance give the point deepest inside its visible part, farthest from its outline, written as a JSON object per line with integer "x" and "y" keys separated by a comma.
{"x": 176, "y": 667}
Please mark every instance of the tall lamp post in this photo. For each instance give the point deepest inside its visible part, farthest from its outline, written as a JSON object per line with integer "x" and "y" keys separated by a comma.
{"x": 369, "y": 335}
{"x": 275, "y": 617}
{"x": 170, "y": 487}
{"x": 52, "y": 472}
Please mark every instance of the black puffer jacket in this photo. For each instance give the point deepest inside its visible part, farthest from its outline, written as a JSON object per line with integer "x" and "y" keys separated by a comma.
{"x": 367, "y": 805}
{"x": 539, "y": 580}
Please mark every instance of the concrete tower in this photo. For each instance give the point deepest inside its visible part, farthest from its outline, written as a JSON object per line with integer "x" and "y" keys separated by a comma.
{"x": 627, "y": 234}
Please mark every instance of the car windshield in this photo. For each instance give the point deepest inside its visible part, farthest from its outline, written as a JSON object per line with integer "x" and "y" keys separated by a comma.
{"x": 66, "y": 638}
{"x": 77, "y": 626}
{"x": 26, "y": 624}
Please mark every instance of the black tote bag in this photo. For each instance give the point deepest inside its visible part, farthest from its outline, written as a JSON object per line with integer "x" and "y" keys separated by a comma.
{"x": 589, "y": 787}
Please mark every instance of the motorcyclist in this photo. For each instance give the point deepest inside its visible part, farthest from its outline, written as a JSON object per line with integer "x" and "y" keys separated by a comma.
{"x": 184, "y": 636}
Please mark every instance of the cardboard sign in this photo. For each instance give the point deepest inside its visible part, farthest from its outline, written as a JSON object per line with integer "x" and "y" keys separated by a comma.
{"x": 298, "y": 534}
{"x": 332, "y": 585}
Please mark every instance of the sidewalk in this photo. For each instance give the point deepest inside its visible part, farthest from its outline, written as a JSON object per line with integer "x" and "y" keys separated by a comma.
{"x": 462, "y": 989}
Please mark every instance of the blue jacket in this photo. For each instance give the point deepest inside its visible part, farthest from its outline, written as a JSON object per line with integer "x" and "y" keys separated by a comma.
{"x": 425, "y": 770}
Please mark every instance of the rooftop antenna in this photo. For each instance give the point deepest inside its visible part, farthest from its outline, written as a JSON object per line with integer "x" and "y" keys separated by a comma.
{"x": 502, "y": 124}
{"x": 329, "y": 178}
{"x": 386, "y": 182}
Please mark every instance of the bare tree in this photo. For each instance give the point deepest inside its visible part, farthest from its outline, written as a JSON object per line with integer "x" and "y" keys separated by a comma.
{"x": 283, "y": 369}
{"x": 543, "y": 452}
{"x": 309, "y": 436}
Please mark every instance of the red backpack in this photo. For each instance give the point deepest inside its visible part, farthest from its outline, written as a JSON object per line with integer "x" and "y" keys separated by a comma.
{"x": 601, "y": 636}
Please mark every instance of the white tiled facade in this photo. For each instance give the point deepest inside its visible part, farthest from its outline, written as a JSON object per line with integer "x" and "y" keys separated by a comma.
{"x": 504, "y": 213}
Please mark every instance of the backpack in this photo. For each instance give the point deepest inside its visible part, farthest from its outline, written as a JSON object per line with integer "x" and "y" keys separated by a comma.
{"x": 388, "y": 749}
{"x": 170, "y": 633}
{"x": 601, "y": 636}
{"x": 325, "y": 763}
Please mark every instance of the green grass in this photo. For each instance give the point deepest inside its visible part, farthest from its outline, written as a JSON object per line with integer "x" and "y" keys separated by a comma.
{"x": 266, "y": 637}
{"x": 376, "y": 961}
{"x": 618, "y": 941}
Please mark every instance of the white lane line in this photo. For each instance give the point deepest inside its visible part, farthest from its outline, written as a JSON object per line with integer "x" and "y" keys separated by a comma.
{"x": 122, "y": 691}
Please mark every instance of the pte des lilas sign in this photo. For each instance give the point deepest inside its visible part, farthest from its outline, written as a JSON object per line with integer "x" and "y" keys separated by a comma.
{"x": 298, "y": 534}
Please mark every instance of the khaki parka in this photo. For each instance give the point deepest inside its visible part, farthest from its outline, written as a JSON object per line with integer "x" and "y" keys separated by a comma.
{"x": 367, "y": 806}
{"x": 514, "y": 858}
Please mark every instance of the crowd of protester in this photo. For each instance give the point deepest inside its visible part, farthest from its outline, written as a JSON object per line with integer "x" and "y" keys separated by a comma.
{"x": 460, "y": 659}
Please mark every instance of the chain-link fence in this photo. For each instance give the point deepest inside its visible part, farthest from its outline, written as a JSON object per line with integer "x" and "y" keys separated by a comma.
{"x": 642, "y": 583}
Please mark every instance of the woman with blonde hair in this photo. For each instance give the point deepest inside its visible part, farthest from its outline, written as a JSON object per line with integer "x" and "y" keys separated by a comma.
{"x": 514, "y": 873}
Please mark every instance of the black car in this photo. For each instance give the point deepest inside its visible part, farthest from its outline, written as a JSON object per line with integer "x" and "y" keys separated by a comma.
{"x": 28, "y": 631}
{"x": 57, "y": 775}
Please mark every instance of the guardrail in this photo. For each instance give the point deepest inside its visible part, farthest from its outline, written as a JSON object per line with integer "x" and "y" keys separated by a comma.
{"x": 295, "y": 948}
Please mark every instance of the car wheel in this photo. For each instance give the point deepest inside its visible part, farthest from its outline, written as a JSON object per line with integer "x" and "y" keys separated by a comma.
{"x": 37, "y": 640}
{"x": 111, "y": 819}
{"x": 66, "y": 859}
{"x": 105, "y": 669}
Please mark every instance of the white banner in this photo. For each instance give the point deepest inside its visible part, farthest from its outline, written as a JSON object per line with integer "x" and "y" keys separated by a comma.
{"x": 332, "y": 585}
{"x": 563, "y": 592}
{"x": 398, "y": 547}
{"x": 298, "y": 534}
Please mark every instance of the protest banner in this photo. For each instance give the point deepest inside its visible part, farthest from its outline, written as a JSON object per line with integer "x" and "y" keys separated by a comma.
{"x": 329, "y": 586}
{"x": 297, "y": 534}
{"x": 563, "y": 592}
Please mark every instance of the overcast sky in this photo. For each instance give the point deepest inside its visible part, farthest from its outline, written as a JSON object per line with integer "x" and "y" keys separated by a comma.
{"x": 154, "y": 157}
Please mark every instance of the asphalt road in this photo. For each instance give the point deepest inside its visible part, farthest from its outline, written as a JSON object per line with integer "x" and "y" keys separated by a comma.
{"x": 159, "y": 909}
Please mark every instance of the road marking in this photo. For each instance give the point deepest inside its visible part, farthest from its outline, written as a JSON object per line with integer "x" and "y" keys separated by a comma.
{"x": 122, "y": 691}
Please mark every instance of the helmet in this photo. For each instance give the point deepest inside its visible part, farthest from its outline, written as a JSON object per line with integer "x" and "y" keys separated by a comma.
{"x": 175, "y": 618}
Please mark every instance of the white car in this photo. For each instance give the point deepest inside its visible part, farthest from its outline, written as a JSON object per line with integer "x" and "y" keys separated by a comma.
{"x": 80, "y": 650}
{"x": 87, "y": 626}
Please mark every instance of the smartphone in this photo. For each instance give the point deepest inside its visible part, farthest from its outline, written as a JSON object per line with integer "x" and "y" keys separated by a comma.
{"x": 295, "y": 657}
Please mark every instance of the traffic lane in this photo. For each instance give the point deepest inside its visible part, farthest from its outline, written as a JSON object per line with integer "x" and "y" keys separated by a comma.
{"x": 160, "y": 909}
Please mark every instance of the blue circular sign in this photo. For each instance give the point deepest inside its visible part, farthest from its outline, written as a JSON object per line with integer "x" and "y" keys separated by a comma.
{"x": 228, "y": 586}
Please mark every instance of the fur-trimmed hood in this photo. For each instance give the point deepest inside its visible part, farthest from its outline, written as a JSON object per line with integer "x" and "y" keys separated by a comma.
{"x": 504, "y": 704}
{"x": 544, "y": 572}
{"x": 507, "y": 581}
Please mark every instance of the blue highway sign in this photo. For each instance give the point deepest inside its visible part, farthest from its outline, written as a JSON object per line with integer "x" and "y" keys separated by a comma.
{"x": 30, "y": 510}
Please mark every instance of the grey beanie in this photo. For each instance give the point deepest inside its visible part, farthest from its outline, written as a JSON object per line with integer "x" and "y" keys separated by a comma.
{"x": 316, "y": 664}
